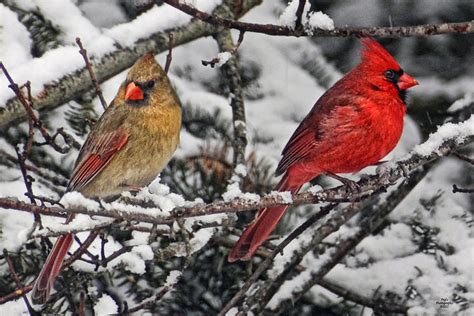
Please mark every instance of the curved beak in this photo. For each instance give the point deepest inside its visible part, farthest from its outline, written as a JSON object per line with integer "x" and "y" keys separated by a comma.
{"x": 406, "y": 82}
{"x": 133, "y": 92}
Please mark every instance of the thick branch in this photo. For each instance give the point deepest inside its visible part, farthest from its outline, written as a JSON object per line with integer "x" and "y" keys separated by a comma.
{"x": 278, "y": 30}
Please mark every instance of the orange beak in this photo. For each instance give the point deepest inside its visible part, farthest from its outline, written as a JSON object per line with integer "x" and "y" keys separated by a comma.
{"x": 133, "y": 92}
{"x": 406, "y": 81}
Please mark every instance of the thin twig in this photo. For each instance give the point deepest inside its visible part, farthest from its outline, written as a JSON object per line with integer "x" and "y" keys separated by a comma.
{"x": 169, "y": 56}
{"x": 82, "y": 304}
{"x": 457, "y": 189}
{"x": 95, "y": 83}
{"x": 464, "y": 158}
{"x": 299, "y": 14}
{"x": 28, "y": 106}
{"x": 11, "y": 267}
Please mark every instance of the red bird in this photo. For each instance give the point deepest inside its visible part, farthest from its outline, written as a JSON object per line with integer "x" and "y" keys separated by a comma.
{"x": 353, "y": 125}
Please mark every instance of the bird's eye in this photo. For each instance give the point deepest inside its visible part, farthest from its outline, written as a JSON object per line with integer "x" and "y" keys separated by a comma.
{"x": 390, "y": 74}
{"x": 149, "y": 84}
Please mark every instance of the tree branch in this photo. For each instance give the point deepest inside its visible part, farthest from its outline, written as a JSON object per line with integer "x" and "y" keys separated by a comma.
{"x": 369, "y": 186}
{"x": 279, "y": 30}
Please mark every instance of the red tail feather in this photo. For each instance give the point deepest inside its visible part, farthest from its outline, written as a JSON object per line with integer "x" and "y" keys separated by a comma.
{"x": 51, "y": 269}
{"x": 262, "y": 226}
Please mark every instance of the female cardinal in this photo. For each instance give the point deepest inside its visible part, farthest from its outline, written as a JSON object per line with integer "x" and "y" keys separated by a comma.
{"x": 354, "y": 124}
{"x": 126, "y": 149}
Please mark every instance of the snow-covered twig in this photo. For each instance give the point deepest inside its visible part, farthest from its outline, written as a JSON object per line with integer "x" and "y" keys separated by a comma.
{"x": 279, "y": 30}
{"x": 83, "y": 53}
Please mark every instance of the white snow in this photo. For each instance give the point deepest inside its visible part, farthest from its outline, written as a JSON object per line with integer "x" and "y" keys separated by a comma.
{"x": 15, "y": 42}
{"x": 319, "y": 20}
{"x": 285, "y": 196}
{"x": 173, "y": 278}
{"x": 105, "y": 306}
{"x": 223, "y": 58}
{"x": 457, "y": 132}
{"x": 71, "y": 199}
{"x": 288, "y": 17}
{"x": 234, "y": 192}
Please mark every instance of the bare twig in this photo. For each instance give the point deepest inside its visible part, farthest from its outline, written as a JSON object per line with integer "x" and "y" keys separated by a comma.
{"x": 169, "y": 56}
{"x": 457, "y": 189}
{"x": 82, "y": 304}
{"x": 279, "y": 30}
{"x": 95, "y": 83}
{"x": 464, "y": 158}
{"x": 299, "y": 14}
{"x": 33, "y": 118}
{"x": 11, "y": 267}
{"x": 17, "y": 293}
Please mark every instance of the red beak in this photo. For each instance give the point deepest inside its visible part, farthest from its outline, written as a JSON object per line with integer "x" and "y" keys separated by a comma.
{"x": 406, "y": 81}
{"x": 133, "y": 92}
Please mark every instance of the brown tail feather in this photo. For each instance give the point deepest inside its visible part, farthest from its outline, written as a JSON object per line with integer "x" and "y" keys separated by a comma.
{"x": 51, "y": 269}
{"x": 262, "y": 226}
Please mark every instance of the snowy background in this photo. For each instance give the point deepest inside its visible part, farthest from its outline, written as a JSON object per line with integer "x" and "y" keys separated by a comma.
{"x": 424, "y": 251}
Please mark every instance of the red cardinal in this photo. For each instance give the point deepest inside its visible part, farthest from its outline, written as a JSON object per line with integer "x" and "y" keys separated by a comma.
{"x": 130, "y": 144}
{"x": 353, "y": 125}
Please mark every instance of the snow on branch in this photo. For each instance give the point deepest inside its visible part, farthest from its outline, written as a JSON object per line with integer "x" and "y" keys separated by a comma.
{"x": 281, "y": 30}
{"x": 440, "y": 144}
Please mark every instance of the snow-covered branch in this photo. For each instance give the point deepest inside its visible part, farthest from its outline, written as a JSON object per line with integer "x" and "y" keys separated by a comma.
{"x": 447, "y": 139}
{"x": 281, "y": 30}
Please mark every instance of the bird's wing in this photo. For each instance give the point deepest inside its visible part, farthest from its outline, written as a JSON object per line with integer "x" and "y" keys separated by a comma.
{"x": 97, "y": 152}
{"x": 318, "y": 126}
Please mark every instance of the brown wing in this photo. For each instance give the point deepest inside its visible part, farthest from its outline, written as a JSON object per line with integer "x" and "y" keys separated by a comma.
{"x": 96, "y": 153}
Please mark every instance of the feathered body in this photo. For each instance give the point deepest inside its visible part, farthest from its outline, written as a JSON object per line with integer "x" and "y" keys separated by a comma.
{"x": 354, "y": 124}
{"x": 129, "y": 145}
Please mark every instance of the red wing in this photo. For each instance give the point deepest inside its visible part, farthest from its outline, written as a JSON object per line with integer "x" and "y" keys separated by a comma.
{"x": 96, "y": 153}
{"x": 298, "y": 147}
{"x": 332, "y": 109}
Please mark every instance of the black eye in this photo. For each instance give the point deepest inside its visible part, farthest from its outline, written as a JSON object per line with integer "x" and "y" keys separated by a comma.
{"x": 390, "y": 74}
{"x": 149, "y": 84}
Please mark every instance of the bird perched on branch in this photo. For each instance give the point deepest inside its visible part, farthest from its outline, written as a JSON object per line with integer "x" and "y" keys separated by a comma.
{"x": 126, "y": 149}
{"x": 353, "y": 125}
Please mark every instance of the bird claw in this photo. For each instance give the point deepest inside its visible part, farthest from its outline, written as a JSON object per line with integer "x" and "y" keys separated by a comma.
{"x": 351, "y": 185}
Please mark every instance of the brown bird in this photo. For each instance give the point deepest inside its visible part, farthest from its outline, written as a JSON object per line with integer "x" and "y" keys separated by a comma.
{"x": 126, "y": 149}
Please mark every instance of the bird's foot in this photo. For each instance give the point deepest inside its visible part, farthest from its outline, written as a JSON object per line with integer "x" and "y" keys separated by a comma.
{"x": 351, "y": 185}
